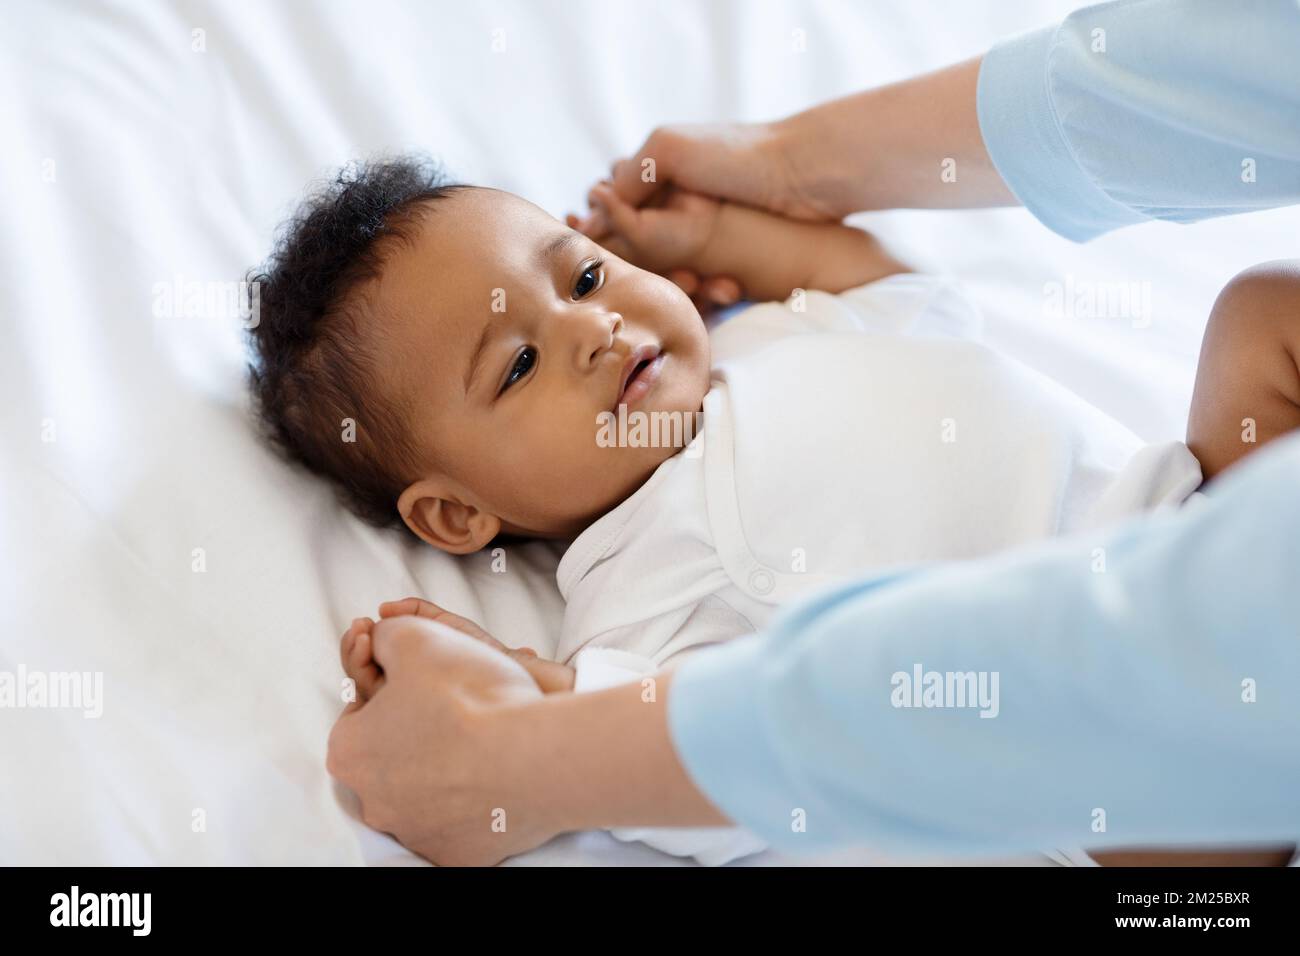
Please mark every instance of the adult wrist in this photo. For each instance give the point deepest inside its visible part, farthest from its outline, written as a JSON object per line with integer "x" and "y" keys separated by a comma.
{"x": 595, "y": 760}
{"x": 826, "y": 160}
{"x": 802, "y": 169}
{"x": 518, "y": 743}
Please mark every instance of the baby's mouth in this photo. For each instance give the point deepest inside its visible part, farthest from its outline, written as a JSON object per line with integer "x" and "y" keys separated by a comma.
{"x": 640, "y": 373}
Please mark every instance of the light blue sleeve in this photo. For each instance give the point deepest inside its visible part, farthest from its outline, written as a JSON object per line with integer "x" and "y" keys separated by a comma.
{"x": 1148, "y": 683}
{"x": 1148, "y": 109}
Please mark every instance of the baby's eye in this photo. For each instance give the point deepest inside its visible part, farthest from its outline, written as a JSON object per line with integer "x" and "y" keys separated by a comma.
{"x": 589, "y": 281}
{"x": 522, "y": 364}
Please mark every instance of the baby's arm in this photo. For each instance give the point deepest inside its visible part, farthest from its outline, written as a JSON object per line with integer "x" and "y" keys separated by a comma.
{"x": 769, "y": 255}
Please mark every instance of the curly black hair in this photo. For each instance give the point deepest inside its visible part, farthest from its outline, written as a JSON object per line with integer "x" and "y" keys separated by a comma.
{"x": 312, "y": 372}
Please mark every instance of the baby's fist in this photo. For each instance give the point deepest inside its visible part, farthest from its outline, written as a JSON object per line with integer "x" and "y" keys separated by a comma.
{"x": 357, "y": 652}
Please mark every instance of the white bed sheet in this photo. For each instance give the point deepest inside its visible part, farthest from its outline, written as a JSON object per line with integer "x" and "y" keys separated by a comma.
{"x": 133, "y": 157}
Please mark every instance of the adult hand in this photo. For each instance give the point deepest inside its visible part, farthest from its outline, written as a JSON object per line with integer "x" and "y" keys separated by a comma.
{"x": 863, "y": 151}
{"x": 425, "y": 754}
{"x": 460, "y": 755}
{"x": 756, "y": 164}
{"x": 741, "y": 162}
{"x": 551, "y": 676}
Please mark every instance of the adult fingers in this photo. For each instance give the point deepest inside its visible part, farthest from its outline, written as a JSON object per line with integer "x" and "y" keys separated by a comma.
{"x": 638, "y": 177}
{"x": 418, "y": 607}
{"x": 726, "y": 161}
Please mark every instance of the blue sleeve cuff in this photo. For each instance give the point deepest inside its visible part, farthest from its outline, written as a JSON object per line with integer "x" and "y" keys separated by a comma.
{"x": 718, "y": 727}
{"x": 726, "y": 732}
{"x": 1022, "y": 133}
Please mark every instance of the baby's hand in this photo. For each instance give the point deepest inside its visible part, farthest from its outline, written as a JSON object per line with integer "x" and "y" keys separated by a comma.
{"x": 356, "y": 650}
{"x": 549, "y": 675}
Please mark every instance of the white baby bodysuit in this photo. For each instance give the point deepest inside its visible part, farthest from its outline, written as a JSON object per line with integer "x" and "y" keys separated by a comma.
{"x": 842, "y": 434}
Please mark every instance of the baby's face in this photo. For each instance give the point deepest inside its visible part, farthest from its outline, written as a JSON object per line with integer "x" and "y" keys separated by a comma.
{"x": 505, "y": 335}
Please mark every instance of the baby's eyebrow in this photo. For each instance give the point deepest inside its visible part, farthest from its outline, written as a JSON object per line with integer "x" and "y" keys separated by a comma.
{"x": 558, "y": 245}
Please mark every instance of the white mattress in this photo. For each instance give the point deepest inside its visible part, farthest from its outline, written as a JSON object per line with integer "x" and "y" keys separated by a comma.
{"x": 133, "y": 159}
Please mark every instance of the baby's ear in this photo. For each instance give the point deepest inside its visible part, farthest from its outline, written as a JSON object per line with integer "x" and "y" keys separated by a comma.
{"x": 440, "y": 519}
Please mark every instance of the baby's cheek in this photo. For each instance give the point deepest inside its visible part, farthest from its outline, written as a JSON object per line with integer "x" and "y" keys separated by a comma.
{"x": 585, "y": 461}
{"x": 677, "y": 304}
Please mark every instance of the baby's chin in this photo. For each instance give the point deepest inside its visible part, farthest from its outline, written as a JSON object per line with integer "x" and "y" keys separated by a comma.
{"x": 626, "y": 459}
{"x": 642, "y": 437}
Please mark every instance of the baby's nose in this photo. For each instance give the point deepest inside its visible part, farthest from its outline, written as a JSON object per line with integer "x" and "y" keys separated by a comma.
{"x": 601, "y": 334}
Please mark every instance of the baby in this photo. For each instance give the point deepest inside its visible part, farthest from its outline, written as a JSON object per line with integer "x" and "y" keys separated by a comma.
{"x": 473, "y": 340}
{"x": 457, "y": 362}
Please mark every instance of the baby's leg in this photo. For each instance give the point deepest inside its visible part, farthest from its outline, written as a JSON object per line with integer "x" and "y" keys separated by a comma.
{"x": 1248, "y": 383}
